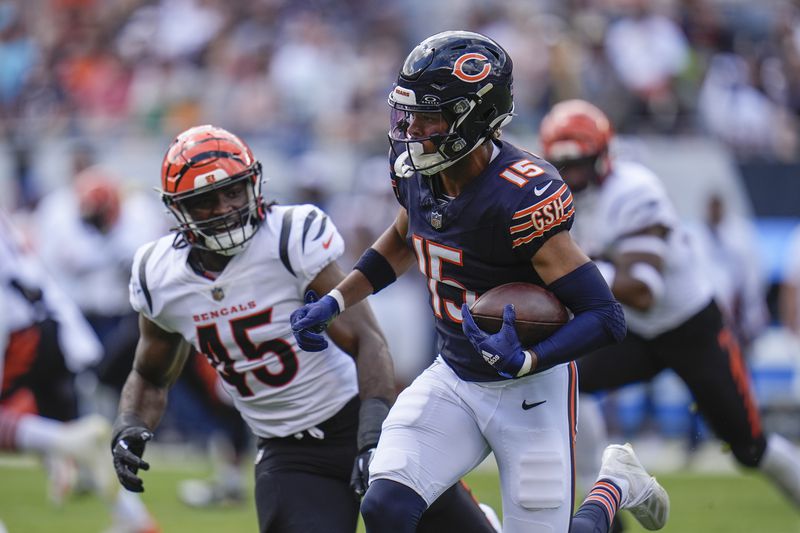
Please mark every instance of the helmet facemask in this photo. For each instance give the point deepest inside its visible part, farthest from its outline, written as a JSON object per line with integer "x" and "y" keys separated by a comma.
{"x": 228, "y": 233}
{"x": 457, "y": 142}
{"x": 464, "y": 76}
{"x": 580, "y": 172}
{"x": 411, "y": 150}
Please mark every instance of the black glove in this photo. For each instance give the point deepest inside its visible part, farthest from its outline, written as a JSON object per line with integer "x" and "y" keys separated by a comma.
{"x": 371, "y": 415}
{"x": 127, "y": 447}
{"x": 359, "y": 480}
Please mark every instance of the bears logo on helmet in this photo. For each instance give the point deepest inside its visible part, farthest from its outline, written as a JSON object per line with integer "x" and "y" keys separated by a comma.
{"x": 199, "y": 163}
{"x": 458, "y": 68}
{"x": 466, "y": 77}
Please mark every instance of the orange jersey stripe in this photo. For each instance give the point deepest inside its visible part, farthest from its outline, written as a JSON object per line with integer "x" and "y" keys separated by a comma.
{"x": 529, "y": 238}
{"x": 528, "y": 210}
{"x": 573, "y": 401}
{"x": 529, "y": 224}
{"x": 572, "y": 418}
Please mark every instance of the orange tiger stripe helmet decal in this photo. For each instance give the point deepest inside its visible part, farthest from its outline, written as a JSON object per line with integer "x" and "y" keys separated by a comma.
{"x": 201, "y": 155}
{"x": 202, "y": 161}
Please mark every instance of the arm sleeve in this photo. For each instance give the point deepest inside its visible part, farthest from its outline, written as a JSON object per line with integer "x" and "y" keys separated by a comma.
{"x": 599, "y": 319}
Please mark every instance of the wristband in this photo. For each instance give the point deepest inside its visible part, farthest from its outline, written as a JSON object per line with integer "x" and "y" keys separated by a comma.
{"x": 336, "y": 294}
{"x": 376, "y": 269}
{"x": 527, "y": 365}
{"x": 124, "y": 421}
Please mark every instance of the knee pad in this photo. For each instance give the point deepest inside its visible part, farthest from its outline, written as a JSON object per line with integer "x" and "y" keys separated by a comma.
{"x": 391, "y": 506}
{"x": 749, "y": 454}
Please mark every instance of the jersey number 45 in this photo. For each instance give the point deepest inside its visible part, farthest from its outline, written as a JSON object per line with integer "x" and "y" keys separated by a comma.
{"x": 212, "y": 346}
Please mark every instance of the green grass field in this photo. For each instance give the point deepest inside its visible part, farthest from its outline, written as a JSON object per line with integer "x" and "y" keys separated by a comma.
{"x": 701, "y": 503}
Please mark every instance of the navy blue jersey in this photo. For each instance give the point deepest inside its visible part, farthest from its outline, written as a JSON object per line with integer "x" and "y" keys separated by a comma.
{"x": 483, "y": 238}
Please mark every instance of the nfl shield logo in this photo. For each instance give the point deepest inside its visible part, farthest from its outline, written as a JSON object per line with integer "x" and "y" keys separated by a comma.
{"x": 217, "y": 293}
{"x": 436, "y": 219}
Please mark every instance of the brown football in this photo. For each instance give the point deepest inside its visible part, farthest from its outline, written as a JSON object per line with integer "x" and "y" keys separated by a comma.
{"x": 539, "y": 312}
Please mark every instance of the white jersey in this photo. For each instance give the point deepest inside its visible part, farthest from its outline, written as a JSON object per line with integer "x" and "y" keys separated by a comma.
{"x": 19, "y": 269}
{"x": 240, "y": 321}
{"x": 631, "y": 199}
{"x": 90, "y": 266}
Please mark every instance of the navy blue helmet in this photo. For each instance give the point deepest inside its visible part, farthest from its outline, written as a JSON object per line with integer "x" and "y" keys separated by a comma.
{"x": 466, "y": 77}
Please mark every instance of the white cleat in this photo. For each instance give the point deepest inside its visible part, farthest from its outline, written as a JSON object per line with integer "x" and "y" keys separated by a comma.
{"x": 646, "y": 500}
{"x": 87, "y": 441}
{"x": 206, "y": 493}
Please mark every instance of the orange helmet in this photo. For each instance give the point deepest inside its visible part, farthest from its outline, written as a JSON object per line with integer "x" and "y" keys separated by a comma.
{"x": 201, "y": 161}
{"x": 576, "y": 131}
{"x": 98, "y": 194}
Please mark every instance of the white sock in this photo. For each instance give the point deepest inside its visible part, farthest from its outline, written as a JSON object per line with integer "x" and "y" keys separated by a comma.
{"x": 129, "y": 509}
{"x": 36, "y": 433}
{"x": 781, "y": 463}
{"x": 227, "y": 471}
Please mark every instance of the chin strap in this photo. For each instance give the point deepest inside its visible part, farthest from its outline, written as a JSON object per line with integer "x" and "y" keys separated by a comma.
{"x": 401, "y": 169}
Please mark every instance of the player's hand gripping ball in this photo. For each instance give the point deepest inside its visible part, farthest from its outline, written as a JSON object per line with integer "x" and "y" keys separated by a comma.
{"x": 538, "y": 312}
{"x": 501, "y": 335}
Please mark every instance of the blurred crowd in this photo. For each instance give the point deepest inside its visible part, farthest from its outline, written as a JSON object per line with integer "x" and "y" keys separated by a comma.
{"x": 314, "y": 72}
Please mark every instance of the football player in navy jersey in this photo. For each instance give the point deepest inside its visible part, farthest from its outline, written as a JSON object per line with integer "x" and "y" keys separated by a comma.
{"x": 475, "y": 213}
{"x": 627, "y": 222}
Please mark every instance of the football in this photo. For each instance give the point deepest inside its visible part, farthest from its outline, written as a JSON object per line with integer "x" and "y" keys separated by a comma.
{"x": 539, "y": 312}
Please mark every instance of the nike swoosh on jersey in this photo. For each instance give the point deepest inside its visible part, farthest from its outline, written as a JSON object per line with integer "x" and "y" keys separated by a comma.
{"x": 526, "y": 405}
{"x": 538, "y": 192}
{"x": 327, "y": 243}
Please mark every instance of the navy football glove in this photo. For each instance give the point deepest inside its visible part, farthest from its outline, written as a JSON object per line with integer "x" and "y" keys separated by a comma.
{"x": 127, "y": 447}
{"x": 310, "y": 321}
{"x": 502, "y": 350}
{"x": 359, "y": 480}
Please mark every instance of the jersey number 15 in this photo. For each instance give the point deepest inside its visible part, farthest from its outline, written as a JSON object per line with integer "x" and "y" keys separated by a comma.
{"x": 431, "y": 257}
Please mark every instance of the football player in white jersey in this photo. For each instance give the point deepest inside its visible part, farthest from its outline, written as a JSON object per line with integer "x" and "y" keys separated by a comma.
{"x": 225, "y": 285}
{"x": 628, "y": 225}
{"x": 44, "y": 342}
